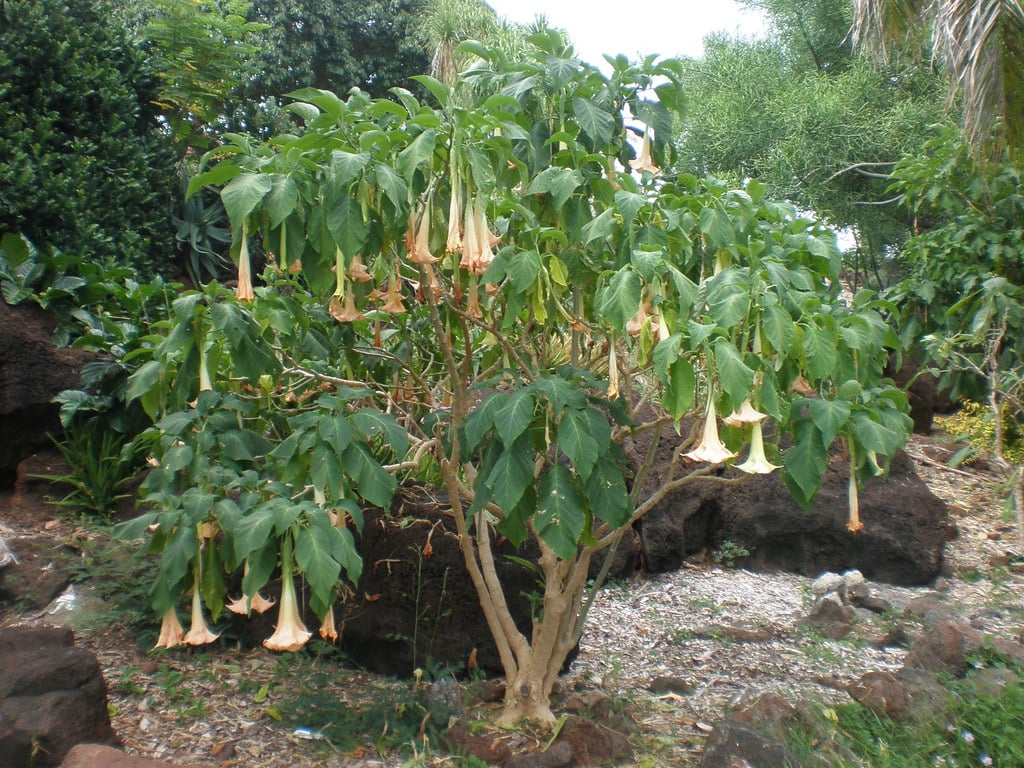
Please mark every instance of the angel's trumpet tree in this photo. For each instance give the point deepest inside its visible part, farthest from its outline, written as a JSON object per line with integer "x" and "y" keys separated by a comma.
{"x": 710, "y": 449}
{"x": 290, "y": 633}
{"x": 757, "y": 463}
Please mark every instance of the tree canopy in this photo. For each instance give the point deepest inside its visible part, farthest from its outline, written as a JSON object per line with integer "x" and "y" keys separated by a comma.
{"x": 82, "y": 167}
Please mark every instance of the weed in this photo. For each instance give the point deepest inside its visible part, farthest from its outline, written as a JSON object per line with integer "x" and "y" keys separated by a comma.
{"x": 974, "y": 729}
{"x": 101, "y": 462}
{"x": 729, "y": 552}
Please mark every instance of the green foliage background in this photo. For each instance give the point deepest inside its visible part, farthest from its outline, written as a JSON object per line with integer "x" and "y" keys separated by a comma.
{"x": 82, "y": 166}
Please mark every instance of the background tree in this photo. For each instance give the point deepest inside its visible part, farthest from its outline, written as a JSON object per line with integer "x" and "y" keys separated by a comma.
{"x": 82, "y": 167}
{"x": 818, "y": 126}
{"x": 980, "y": 42}
{"x": 335, "y": 45}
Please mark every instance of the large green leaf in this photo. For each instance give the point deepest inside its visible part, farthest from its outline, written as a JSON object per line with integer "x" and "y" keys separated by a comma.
{"x": 806, "y": 463}
{"x": 335, "y": 430}
{"x": 595, "y": 122}
{"x": 372, "y": 423}
{"x": 243, "y": 193}
{"x": 346, "y": 166}
{"x": 681, "y": 389}
{"x": 513, "y": 416}
{"x": 374, "y": 483}
{"x": 577, "y": 442}
{"x": 821, "y": 346}
{"x": 252, "y": 532}
{"x": 346, "y": 224}
{"x": 733, "y": 374}
{"x": 325, "y": 468}
{"x": 609, "y": 497}
{"x": 828, "y": 416}
{"x": 717, "y": 227}
{"x": 778, "y": 327}
{"x": 728, "y": 297}
{"x": 343, "y": 549}
{"x": 421, "y": 150}
{"x": 281, "y": 201}
{"x": 560, "y": 516}
{"x": 511, "y": 474}
{"x": 600, "y": 227}
{"x": 619, "y": 299}
{"x": 313, "y": 554}
{"x": 560, "y": 183}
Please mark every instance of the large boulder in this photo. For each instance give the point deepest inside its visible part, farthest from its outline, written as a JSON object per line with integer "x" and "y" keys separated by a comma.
{"x": 52, "y": 696}
{"x": 905, "y": 525}
{"x": 32, "y": 371}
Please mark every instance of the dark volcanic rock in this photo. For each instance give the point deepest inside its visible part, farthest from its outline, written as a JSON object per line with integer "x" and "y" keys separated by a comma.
{"x": 32, "y": 371}
{"x": 902, "y": 542}
{"x": 52, "y": 696}
{"x": 416, "y": 603}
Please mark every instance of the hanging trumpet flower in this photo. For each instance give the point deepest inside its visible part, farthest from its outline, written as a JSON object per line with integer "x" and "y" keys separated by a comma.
{"x": 854, "y": 524}
{"x": 635, "y": 324}
{"x": 205, "y": 384}
{"x": 328, "y": 627}
{"x": 473, "y": 302}
{"x": 454, "y": 242}
{"x": 477, "y": 247}
{"x": 613, "y": 371}
{"x": 171, "y": 631}
{"x": 357, "y": 270}
{"x": 710, "y": 449}
{"x": 393, "y": 298}
{"x": 645, "y": 162}
{"x": 290, "y": 633}
{"x": 243, "y": 292}
{"x": 746, "y": 414}
{"x": 198, "y": 632}
{"x": 417, "y": 239}
{"x": 247, "y": 603}
{"x": 342, "y": 306}
{"x": 757, "y": 463}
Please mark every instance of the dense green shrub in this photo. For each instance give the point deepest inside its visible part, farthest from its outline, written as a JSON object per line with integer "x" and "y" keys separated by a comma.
{"x": 82, "y": 163}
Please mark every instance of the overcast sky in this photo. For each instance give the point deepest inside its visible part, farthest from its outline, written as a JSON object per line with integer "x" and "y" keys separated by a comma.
{"x": 665, "y": 27}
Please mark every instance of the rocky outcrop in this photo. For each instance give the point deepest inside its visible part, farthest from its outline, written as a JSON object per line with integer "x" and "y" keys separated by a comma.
{"x": 32, "y": 371}
{"x": 52, "y": 696}
{"x": 905, "y": 526}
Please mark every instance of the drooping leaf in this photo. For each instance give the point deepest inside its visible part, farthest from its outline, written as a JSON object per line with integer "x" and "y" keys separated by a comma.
{"x": 619, "y": 299}
{"x": 511, "y": 474}
{"x": 595, "y": 122}
{"x": 734, "y": 375}
{"x": 560, "y": 516}
{"x": 243, "y": 193}
{"x": 609, "y": 497}
{"x": 513, "y": 416}
{"x": 560, "y": 183}
{"x": 576, "y": 441}
{"x": 828, "y": 416}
